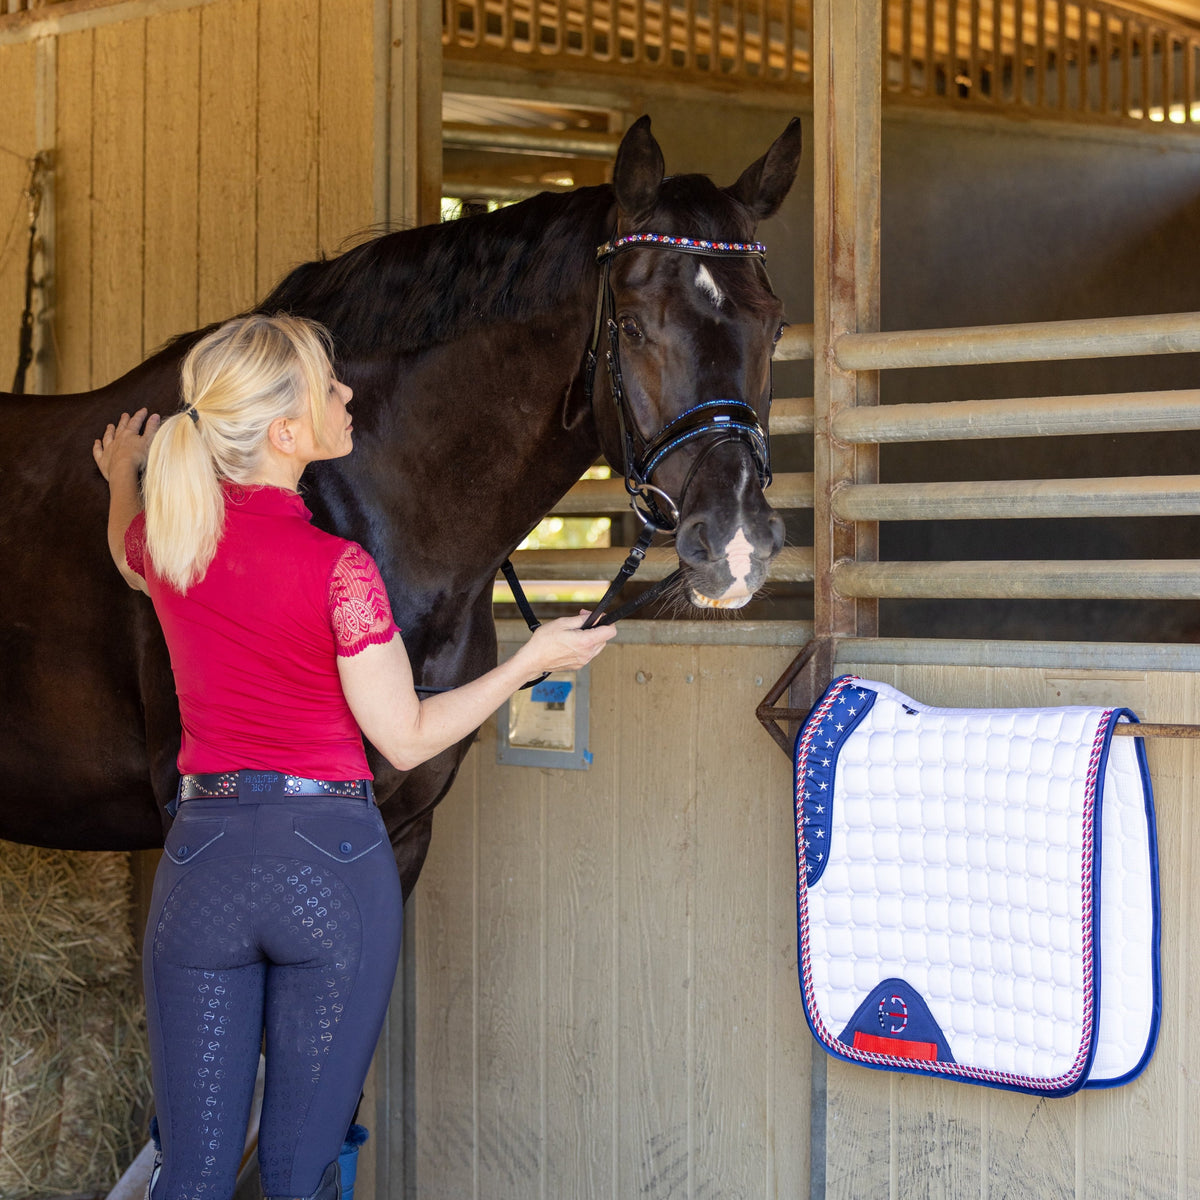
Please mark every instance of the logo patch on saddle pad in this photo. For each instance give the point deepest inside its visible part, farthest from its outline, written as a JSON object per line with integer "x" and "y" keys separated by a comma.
{"x": 893, "y": 1020}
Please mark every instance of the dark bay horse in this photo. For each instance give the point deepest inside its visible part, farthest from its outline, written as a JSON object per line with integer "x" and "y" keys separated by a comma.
{"x": 467, "y": 346}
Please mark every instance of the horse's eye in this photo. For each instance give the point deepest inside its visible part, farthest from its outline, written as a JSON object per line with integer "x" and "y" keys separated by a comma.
{"x": 779, "y": 331}
{"x": 630, "y": 327}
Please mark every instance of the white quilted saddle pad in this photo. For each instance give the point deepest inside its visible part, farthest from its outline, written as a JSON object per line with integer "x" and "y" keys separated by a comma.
{"x": 978, "y": 890}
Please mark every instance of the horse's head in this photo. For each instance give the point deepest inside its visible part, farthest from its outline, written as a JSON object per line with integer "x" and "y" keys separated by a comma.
{"x": 688, "y": 321}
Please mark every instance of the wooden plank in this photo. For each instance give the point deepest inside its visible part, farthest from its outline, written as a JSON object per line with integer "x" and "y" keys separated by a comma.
{"x": 657, "y": 897}
{"x": 18, "y": 144}
{"x": 583, "y": 814}
{"x": 346, "y": 152}
{"x": 118, "y": 188}
{"x": 172, "y": 175}
{"x": 228, "y": 159}
{"x": 1175, "y": 769}
{"x": 73, "y": 191}
{"x": 287, "y": 137}
{"x": 444, "y": 905}
{"x": 510, "y": 937}
{"x": 739, "y": 1051}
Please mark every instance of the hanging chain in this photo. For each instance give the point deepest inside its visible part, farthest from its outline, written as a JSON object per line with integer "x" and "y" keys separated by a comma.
{"x": 33, "y": 196}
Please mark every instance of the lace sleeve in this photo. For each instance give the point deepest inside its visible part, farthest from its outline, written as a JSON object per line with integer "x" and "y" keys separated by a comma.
{"x": 359, "y": 611}
{"x": 135, "y": 544}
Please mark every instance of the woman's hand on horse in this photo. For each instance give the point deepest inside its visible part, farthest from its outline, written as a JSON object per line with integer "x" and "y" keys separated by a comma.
{"x": 125, "y": 445}
{"x": 563, "y": 645}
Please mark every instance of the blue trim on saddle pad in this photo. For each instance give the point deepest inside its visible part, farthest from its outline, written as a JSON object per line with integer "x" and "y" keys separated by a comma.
{"x": 814, "y": 803}
{"x": 1152, "y": 840}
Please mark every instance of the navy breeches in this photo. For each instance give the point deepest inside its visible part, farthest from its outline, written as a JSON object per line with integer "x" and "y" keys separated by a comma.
{"x": 281, "y": 917}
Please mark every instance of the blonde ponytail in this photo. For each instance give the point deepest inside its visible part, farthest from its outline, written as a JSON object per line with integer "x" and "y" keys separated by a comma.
{"x": 235, "y": 381}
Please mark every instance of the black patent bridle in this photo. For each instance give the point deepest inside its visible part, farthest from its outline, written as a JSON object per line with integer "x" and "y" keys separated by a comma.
{"x": 714, "y": 422}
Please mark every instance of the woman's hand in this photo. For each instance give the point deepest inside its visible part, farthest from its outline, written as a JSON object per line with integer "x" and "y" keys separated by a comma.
{"x": 124, "y": 446}
{"x": 563, "y": 645}
{"x": 407, "y": 731}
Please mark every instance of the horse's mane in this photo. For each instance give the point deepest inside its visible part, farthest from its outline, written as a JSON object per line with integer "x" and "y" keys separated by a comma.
{"x": 421, "y": 287}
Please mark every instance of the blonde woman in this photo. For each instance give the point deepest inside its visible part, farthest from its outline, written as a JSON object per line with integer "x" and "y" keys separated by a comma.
{"x": 277, "y": 905}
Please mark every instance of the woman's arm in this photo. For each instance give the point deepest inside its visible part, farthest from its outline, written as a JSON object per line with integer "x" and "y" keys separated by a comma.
{"x": 121, "y": 454}
{"x": 407, "y": 730}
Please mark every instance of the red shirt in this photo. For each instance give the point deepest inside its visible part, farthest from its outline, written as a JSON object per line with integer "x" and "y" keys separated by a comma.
{"x": 254, "y": 644}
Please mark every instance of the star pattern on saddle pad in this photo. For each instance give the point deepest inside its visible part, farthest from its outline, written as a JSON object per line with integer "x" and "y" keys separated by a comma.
{"x": 836, "y": 716}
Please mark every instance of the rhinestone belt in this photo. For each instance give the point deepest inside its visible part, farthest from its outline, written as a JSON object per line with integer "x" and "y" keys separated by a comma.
{"x": 266, "y": 785}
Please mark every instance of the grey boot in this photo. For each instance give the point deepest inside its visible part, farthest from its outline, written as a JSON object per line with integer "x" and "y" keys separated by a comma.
{"x": 330, "y": 1187}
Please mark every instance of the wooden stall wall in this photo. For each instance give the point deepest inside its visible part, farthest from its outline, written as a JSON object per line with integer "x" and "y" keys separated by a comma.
{"x": 607, "y": 1002}
{"x": 199, "y": 153}
{"x": 892, "y": 1135}
{"x": 606, "y": 995}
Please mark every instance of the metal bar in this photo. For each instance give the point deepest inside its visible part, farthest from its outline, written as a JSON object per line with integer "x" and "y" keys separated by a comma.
{"x": 796, "y": 344}
{"x": 1111, "y": 579}
{"x": 1035, "y": 341}
{"x": 1135, "y": 496}
{"x": 793, "y": 565}
{"x": 637, "y": 631}
{"x": 792, "y": 416}
{"x": 590, "y": 497}
{"x": 857, "y": 654}
{"x": 1041, "y": 416}
{"x": 581, "y": 144}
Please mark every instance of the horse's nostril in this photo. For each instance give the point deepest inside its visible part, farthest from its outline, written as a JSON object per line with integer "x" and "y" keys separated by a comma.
{"x": 691, "y": 542}
{"x": 778, "y": 532}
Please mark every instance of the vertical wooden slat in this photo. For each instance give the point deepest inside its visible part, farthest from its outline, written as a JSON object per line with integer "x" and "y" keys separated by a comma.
{"x": 1105, "y": 65}
{"x": 1019, "y": 73}
{"x": 582, "y": 935}
{"x": 287, "y": 137}
{"x": 929, "y": 57}
{"x": 445, "y": 914}
{"x": 73, "y": 191}
{"x": 172, "y": 174}
{"x": 1126, "y": 66}
{"x": 996, "y": 90}
{"x": 974, "y": 50}
{"x": 1062, "y": 65}
{"x": 1147, "y": 43}
{"x": 345, "y": 173}
{"x": 656, "y": 907}
{"x": 846, "y": 89}
{"x": 118, "y": 185}
{"x": 906, "y": 47}
{"x": 226, "y": 283}
{"x": 1039, "y": 78}
{"x": 415, "y": 115}
{"x": 18, "y": 144}
{"x": 952, "y": 48}
{"x": 733, "y": 1037}
{"x": 511, "y": 987}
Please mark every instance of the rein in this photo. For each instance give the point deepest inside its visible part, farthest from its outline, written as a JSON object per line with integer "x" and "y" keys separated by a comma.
{"x": 715, "y": 421}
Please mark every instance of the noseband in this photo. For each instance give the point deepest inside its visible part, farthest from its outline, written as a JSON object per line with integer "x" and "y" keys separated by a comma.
{"x": 712, "y": 421}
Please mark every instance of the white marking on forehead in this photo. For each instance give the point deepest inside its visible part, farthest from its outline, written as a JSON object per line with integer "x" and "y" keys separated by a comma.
{"x": 707, "y": 284}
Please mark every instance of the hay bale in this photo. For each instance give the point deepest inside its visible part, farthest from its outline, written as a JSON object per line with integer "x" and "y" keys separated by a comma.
{"x": 74, "y": 1071}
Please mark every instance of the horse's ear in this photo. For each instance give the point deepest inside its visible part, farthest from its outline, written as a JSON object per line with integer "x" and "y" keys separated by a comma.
{"x": 638, "y": 172}
{"x": 764, "y": 184}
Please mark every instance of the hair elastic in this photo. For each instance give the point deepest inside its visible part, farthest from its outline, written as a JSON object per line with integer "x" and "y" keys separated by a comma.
{"x": 191, "y": 412}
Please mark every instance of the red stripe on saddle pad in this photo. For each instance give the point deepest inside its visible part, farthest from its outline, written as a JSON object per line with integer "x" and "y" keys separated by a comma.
{"x": 896, "y": 1047}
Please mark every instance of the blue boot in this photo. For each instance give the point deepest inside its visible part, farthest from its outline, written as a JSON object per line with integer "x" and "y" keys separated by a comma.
{"x": 330, "y": 1187}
